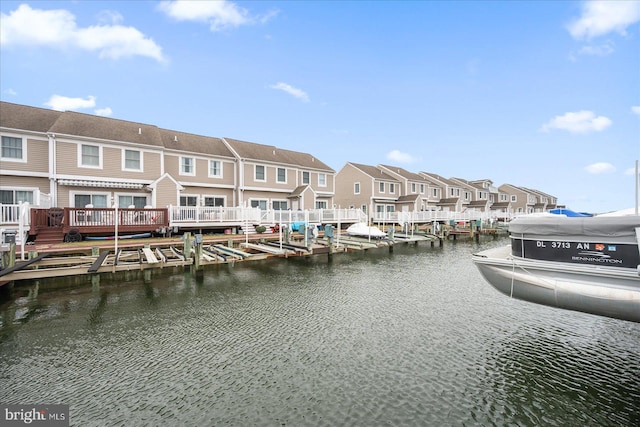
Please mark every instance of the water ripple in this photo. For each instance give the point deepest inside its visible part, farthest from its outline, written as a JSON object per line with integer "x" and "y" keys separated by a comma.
{"x": 413, "y": 337}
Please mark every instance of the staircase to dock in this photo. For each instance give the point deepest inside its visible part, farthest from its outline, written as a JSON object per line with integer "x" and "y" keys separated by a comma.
{"x": 50, "y": 236}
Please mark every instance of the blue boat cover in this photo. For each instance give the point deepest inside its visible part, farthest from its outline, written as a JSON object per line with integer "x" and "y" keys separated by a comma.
{"x": 568, "y": 212}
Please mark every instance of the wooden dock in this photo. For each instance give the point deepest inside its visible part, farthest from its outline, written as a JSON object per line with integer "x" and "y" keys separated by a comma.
{"x": 94, "y": 258}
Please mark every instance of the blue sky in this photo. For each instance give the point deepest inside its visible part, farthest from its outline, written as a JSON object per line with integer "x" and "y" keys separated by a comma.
{"x": 541, "y": 94}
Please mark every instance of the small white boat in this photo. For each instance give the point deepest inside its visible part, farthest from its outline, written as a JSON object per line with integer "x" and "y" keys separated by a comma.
{"x": 588, "y": 264}
{"x": 361, "y": 229}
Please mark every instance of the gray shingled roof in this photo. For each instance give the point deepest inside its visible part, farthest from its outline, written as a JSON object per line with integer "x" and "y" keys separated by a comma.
{"x": 79, "y": 124}
{"x": 405, "y": 173}
{"x": 187, "y": 142}
{"x": 22, "y": 117}
{"x": 270, "y": 153}
{"x": 373, "y": 172}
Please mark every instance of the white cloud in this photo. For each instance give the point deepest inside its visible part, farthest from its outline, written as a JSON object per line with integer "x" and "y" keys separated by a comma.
{"x": 597, "y": 50}
{"x": 10, "y": 92}
{"x": 105, "y": 112}
{"x": 630, "y": 171}
{"x": 578, "y": 122}
{"x": 64, "y": 103}
{"x": 603, "y": 17}
{"x": 218, "y": 14}
{"x": 635, "y": 109}
{"x": 57, "y": 29}
{"x": 400, "y": 157}
{"x": 295, "y": 92}
{"x": 601, "y": 167}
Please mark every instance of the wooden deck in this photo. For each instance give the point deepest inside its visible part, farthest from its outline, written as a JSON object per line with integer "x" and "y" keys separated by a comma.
{"x": 71, "y": 224}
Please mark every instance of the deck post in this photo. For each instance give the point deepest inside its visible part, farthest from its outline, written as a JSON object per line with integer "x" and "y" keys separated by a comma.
{"x": 95, "y": 251}
{"x": 186, "y": 238}
{"x": 9, "y": 257}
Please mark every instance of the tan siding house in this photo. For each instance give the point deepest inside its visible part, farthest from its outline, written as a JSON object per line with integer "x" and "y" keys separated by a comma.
{"x": 270, "y": 177}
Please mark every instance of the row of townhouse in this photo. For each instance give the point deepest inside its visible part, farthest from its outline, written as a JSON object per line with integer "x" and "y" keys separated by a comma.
{"x": 52, "y": 158}
{"x": 69, "y": 159}
{"x": 383, "y": 189}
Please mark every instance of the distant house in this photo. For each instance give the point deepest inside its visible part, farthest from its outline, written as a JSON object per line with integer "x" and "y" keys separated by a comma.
{"x": 368, "y": 188}
{"x": 453, "y": 197}
{"x": 521, "y": 200}
{"x": 480, "y": 196}
{"x": 414, "y": 189}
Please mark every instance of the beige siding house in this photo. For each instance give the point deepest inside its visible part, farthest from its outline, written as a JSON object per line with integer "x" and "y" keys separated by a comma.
{"x": 202, "y": 166}
{"x": 273, "y": 178}
{"x": 522, "y": 201}
{"x": 25, "y": 156}
{"x": 453, "y": 198}
{"x": 414, "y": 189}
{"x": 368, "y": 188}
{"x": 75, "y": 160}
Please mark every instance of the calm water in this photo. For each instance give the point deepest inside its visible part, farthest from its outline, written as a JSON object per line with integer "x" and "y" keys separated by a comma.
{"x": 413, "y": 337}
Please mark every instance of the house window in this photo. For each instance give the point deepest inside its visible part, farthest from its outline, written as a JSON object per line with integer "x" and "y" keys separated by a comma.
{"x": 413, "y": 187}
{"x": 435, "y": 192}
{"x": 322, "y": 179}
{"x": 321, "y": 204}
{"x": 381, "y": 186}
{"x": 282, "y": 175}
{"x": 259, "y": 174}
{"x": 12, "y": 148}
{"x": 453, "y": 192}
{"x": 356, "y": 188}
{"x": 392, "y": 188}
{"x": 132, "y": 160}
{"x": 215, "y": 171}
{"x": 187, "y": 166}
{"x": 279, "y": 205}
{"x": 97, "y": 200}
{"x": 364, "y": 208}
{"x": 135, "y": 201}
{"x": 213, "y": 201}
{"x": 305, "y": 177}
{"x": 514, "y": 198}
{"x": 90, "y": 156}
{"x": 466, "y": 195}
{"x": 13, "y": 197}
{"x": 421, "y": 188}
{"x": 188, "y": 200}
{"x": 262, "y": 204}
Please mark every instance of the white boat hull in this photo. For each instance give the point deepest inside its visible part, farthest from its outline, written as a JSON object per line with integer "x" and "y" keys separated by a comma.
{"x": 605, "y": 291}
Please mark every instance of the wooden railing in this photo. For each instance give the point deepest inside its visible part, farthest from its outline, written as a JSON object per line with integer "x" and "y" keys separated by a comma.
{"x": 99, "y": 220}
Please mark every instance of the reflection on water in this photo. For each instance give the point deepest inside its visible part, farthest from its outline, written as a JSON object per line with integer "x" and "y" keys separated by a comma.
{"x": 413, "y": 337}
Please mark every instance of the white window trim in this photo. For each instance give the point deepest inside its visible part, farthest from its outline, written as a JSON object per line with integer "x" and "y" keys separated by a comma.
{"x": 255, "y": 167}
{"x": 124, "y": 160}
{"x": 392, "y": 188}
{"x": 381, "y": 187}
{"x": 33, "y": 190}
{"x": 72, "y": 196}
{"x": 320, "y": 184}
{"x": 214, "y": 196}
{"x": 358, "y": 186}
{"x": 209, "y": 169}
{"x": 414, "y": 188}
{"x": 197, "y": 196}
{"x": 182, "y": 172}
{"x": 309, "y": 174}
{"x": 117, "y": 197}
{"x": 24, "y": 149}
{"x": 278, "y": 172}
{"x": 100, "y": 157}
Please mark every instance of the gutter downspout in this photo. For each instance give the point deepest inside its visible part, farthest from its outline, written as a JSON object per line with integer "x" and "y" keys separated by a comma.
{"x": 53, "y": 171}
